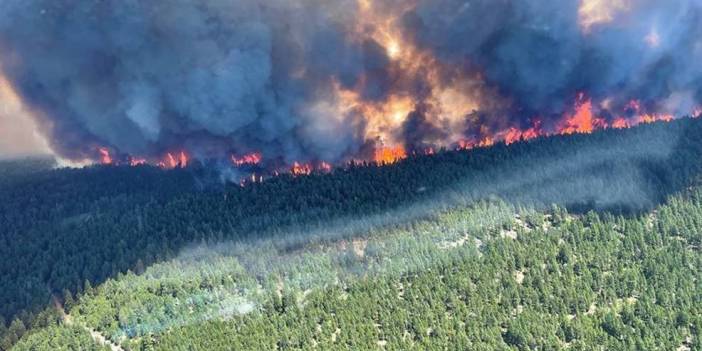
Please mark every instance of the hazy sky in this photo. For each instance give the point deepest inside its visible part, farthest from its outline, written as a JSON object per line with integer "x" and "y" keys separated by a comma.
{"x": 18, "y": 134}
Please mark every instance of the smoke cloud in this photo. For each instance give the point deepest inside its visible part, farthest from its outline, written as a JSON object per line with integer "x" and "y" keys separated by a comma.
{"x": 18, "y": 132}
{"x": 313, "y": 80}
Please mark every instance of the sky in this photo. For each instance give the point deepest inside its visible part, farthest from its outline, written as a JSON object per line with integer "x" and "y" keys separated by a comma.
{"x": 18, "y": 131}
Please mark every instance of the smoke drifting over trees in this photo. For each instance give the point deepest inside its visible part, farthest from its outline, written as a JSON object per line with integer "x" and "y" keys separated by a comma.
{"x": 327, "y": 81}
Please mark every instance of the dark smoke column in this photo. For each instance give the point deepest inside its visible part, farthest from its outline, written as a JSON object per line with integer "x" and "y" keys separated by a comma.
{"x": 210, "y": 77}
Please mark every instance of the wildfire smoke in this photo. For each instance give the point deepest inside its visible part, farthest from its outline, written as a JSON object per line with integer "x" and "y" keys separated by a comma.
{"x": 304, "y": 84}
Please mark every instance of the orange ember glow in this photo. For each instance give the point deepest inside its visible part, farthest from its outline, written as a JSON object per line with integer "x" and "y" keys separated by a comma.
{"x": 514, "y": 135}
{"x": 596, "y": 12}
{"x": 179, "y": 160}
{"x": 651, "y": 118}
{"x": 620, "y": 123}
{"x": 325, "y": 167}
{"x": 451, "y": 93}
{"x": 583, "y": 120}
{"x": 299, "y": 169}
{"x": 472, "y": 144}
{"x": 135, "y": 161}
{"x": 389, "y": 155}
{"x": 105, "y": 157}
{"x": 249, "y": 159}
{"x": 642, "y": 117}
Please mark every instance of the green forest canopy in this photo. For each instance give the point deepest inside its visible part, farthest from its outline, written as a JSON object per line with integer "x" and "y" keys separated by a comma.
{"x": 69, "y": 230}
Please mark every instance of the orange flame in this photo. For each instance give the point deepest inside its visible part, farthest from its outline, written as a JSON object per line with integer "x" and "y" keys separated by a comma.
{"x": 583, "y": 120}
{"x": 620, "y": 123}
{"x": 389, "y": 155}
{"x": 514, "y": 135}
{"x": 135, "y": 161}
{"x": 179, "y": 160}
{"x": 642, "y": 117}
{"x": 105, "y": 157}
{"x": 325, "y": 167}
{"x": 451, "y": 93}
{"x": 249, "y": 159}
{"x": 299, "y": 169}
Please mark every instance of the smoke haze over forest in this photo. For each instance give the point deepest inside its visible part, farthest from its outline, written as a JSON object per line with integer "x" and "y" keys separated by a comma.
{"x": 332, "y": 81}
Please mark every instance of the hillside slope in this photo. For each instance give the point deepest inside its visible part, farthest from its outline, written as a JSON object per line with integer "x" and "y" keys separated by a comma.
{"x": 66, "y": 231}
{"x": 485, "y": 277}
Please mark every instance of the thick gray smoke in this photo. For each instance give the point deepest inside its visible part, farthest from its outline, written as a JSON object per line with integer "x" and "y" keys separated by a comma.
{"x": 208, "y": 76}
{"x": 539, "y": 53}
{"x": 216, "y": 77}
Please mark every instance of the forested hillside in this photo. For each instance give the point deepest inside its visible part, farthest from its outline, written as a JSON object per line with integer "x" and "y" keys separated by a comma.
{"x": 457, "y": 248}
{"x": 484, "y": 277}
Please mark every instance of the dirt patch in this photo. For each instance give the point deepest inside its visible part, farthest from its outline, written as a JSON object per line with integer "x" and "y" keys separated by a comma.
{"x": 519, "y": 276}
{"x": 359, "y": 247}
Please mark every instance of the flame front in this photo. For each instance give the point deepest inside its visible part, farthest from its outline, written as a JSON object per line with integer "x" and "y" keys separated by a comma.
{"x": 248, "y": 159}
{"x": 105, "y": 157}
{"x": 447, "y": 95}
{"x": 299, "y": 86}
{"x": 174, "y": 160}
{"x": 389, "y": 155}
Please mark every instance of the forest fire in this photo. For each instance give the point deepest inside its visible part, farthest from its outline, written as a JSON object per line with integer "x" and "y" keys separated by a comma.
{"x": 299, "y": 169}
{"x": 371, "y": 80}
{"x": 583, "y": 119}
{"x": 325, "y": 167}
{"x": 249, "y": 159}
{"x": 136, "y": 161}
{"x": 105, "y": 157}
{"x": 171, "y": 160}
{"x": 389, "y": 155}
{"x": 178, "y": 160}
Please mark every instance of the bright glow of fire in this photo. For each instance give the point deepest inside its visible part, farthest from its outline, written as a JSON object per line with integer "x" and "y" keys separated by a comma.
{"x": 448, "y": 99}
{"x": 583, "y": 118}
{"x": 249, "y": 159}
{"x": 174, "y": 160}
{"x": 389, "y": 155}
{"x": 514, "y": 135}
{"x": 136, "y": 161}
{"x": 303, "y": 169}
{"x": 582, "y": 121}
{"x": 472, "y": 144}
{"x": 450, "y": 94}
{"x": 620, "y": 123}
{"x": 383, "y": 119}
{"x": 596, "y": 12}
{"x": 299, "y": 169}
{"x": 325, "y": 167}
{"x": 643, "y": 117}
{"x": 105, "y": 157}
